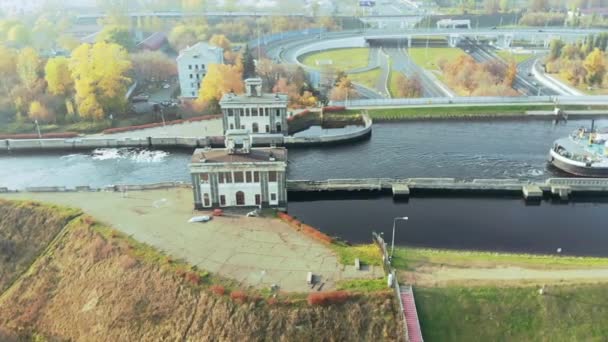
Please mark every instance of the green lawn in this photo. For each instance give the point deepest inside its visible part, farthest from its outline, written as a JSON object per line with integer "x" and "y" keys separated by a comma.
{"x": 363, "y": 285}
{"x": 573, "y": 313}
{"x": 416, "y": 113}
{"x": 429, "y": 58}
{"x": 368, "y": 254}
{"x": 409, "y": 258}
{"x": 342, "y": 59}
{"x": 517, "y": 57}
{"x": 368, "y": 78}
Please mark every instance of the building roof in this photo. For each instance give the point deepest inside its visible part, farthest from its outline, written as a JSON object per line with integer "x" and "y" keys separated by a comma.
{"x": 198, "y": 48}
{"x": 154, "y": 41}
{"x": 266, "y": 98}
{"x": 220, "y": 155}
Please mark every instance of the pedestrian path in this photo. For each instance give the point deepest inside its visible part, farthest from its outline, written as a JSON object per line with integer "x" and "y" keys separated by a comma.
{"x": 411, "y": 315}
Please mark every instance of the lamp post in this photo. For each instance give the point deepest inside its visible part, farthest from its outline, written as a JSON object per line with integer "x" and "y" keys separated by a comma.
{"x": 404, "y": 218}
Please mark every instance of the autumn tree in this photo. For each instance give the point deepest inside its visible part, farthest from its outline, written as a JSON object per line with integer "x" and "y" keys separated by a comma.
{"x": 100, "y": 78}
{"x": 153, "y": 66}
{"x": 187, "y": 34}
{"x": 406, "y": 87}
{"x": 44, "y": 34}
{"x": 510, "y": 74}
{"x": 219, "y": 80}
{"x": 343, "y": 90}
{"x": 555, "y": 48}
{"x": 120, "y": 35}
{"x": 193, "y": 5}
{"x": 223, "y": 42}
{"x": 18, "y": 34}
{"x": 8, "y": 74}
{"x": 28, "y": 67}
{"x": 58, "y": 76}
{"x": 595, "y": 65}
{"x": 40, "y": 112}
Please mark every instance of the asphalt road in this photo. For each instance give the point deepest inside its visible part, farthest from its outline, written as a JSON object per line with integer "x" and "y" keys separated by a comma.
{"x": 526, "y": 85}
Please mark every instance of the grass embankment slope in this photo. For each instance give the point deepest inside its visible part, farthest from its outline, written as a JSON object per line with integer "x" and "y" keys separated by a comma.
{"x": 471, "y": 296}
{"x": 368, "y": 78}
{"x": 429, "y": 58}
{"x": 339, "y": 59}
{"x": 93, "y": 283}
{"x": 25, "y": 230}
{"x": 516, "y": 57}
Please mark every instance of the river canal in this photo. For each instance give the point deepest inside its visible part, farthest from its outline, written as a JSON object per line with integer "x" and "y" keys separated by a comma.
{"x": 472, "y": 223}
{"x": 460, "y": 149}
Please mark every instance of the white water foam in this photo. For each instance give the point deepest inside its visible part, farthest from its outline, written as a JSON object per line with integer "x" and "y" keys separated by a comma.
{"x": 135, "y": 155}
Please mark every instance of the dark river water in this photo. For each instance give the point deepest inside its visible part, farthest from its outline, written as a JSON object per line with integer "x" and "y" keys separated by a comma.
{"x": 473, "y": 223}
{"x": 460, "y": 149}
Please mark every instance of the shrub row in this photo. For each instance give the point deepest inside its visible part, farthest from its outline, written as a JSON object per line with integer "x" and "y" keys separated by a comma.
{"x": 304, "y": 228}
{"x": 326, "y": 298}
{"x": 159, "y": 124}
{"x": 65, "y": 135}
{"x": 334, "y": 109}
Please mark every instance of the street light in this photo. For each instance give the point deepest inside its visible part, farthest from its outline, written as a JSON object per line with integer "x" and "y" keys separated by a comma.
{"x": 404, "y": 218}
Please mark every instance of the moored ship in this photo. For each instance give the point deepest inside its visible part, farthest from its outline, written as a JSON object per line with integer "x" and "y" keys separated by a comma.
{"x": 583, "y": 153}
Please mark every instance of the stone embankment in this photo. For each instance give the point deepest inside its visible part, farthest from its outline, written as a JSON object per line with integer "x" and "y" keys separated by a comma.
{"x": 86, "y": 143}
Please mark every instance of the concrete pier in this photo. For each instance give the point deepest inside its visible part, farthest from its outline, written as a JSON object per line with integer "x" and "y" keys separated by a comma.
{"x": 562, "y": 187}
{"x": 532, "y": 192}
{"x": 401, "y": 190}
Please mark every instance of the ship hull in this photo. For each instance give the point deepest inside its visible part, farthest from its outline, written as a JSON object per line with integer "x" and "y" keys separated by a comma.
{"x": 577, "y": 170}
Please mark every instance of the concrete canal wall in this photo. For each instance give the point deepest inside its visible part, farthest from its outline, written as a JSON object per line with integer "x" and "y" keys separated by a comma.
{"x": 176, "y": 142}
{"x": 402, "y": 188}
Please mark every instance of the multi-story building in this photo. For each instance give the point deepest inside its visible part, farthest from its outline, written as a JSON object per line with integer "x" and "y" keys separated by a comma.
{"x": 239, "y": 176}
{"x": 255, "y": 111}
{"x": 192, "y": 65}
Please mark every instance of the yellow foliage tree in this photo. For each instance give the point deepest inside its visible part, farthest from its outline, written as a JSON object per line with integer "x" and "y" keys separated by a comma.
{"x": 8, "y": 75}
{"x": 100, "y": 77}
{"x": 28, "y": 66}
{"x": 220, "y": 79}
{"x": 595, "y": 65}
{"x": 40, "y": 112}
{"x": 57, "y": 75}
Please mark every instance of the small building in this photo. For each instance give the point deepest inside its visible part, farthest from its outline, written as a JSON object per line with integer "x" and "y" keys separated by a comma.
{"x": 239, "y": 176}
{"x": 192, "y": 65}
{"x": 454, "y": 23}
{"x": 255, "y": 111}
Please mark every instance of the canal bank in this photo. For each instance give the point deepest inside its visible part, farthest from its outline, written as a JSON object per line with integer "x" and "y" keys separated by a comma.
{"x": 503, "y": 224}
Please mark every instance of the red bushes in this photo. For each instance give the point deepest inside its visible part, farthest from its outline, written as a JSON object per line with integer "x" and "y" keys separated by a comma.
{"x": 304, "y": 228}
{"x": 65, "y": 135}
{"x": 334, "y": 109}
{"x": 325, "y": 298}
{"x": 218, "y": 290}
{"x": 238, "y": 296}
{"x": 158, "y": 124}
{"x": 193, "y": 278}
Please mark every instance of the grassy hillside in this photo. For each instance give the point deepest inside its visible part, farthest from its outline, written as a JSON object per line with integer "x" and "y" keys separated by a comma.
{"x": 26, "y": 228}
{"x": 96, "y": 284}
{"x": 573, "y": 313}
{"x": 339, "y": 59}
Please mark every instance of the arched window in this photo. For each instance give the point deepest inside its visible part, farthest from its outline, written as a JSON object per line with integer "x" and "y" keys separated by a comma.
{"x": 278, "y": 127}
{"x": 255, "y": 128}
{"x": 240, "y": 198}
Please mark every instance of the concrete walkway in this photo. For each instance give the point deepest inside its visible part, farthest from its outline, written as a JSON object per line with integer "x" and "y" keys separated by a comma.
{"x": 254, "y": 251}
{"x": 187, "y": 129}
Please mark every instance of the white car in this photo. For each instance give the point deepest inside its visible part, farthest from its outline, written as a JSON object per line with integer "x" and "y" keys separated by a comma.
{"x": 203, "y": 219}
